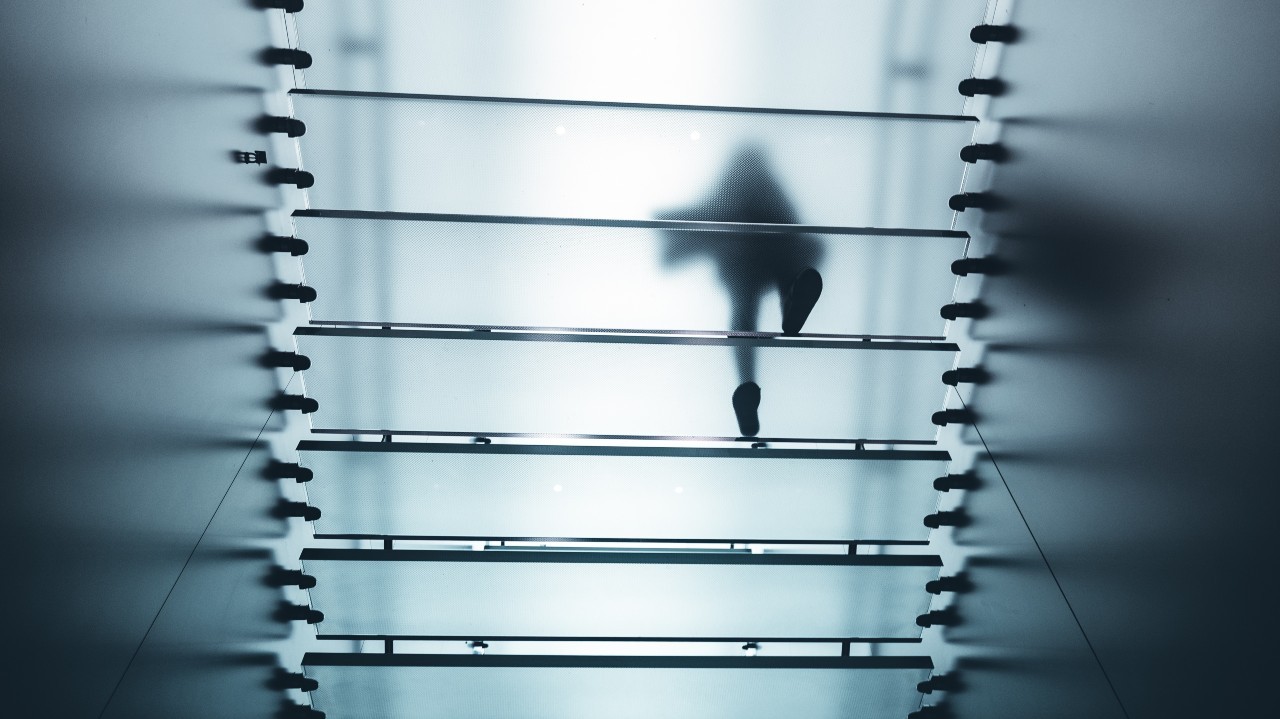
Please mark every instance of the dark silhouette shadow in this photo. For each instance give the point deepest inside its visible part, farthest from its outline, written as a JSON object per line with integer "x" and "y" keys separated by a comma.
{"x": 750, "y": 264}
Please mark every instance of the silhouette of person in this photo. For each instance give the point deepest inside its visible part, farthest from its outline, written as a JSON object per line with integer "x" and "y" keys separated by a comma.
{"x": 751, "y": 264}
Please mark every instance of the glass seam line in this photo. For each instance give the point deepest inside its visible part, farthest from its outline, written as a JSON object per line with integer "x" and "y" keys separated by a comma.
{"x": 690, "y": 225}
{"x": 666, "y": 339}
{"x": 630, "y": 105}
{"x": 311, "y": 445}
{"x": 616, "y": 437}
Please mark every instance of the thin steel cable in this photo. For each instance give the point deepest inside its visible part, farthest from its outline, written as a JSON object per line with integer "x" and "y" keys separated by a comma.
{"x": 1048, "y": 566}
{"x": 185, "y": 564}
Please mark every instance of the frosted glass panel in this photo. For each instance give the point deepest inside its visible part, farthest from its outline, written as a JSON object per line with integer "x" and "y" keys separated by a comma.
{"x": 497, "y": 692}
{"x": 512, "y": 382}
{"x": 499, "y": 158}
{"x": 543, "y": 593}
{"x": 510, "y": 491}
{"x": 485, "y": 273}
{"x": 899, "y": 55}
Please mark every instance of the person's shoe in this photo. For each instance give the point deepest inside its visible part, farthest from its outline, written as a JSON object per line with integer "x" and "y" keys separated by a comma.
{"x": 804, "y": 294}
{"x": 746, "y": 405}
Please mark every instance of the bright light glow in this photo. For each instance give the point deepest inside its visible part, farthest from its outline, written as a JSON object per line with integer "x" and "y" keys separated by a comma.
{"x": 560, "y": 130}
{"x": 757, "y": 549}
{"x": 679, "y": 490}
{"x": 695, "y": 136}
{"x": 558, "y": 488}
{"x": 478, "y": 546}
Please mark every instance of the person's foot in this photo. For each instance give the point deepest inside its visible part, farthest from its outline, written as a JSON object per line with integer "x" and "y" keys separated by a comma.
{"x": 800, "y": 301}
{"x": 746, "y": 405}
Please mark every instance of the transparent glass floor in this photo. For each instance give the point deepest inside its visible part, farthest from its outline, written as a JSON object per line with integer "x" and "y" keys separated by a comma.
{"x": 432, "y": 687}
{"x": 503, "y": 272}
{"x": 497, "y": 491}
{"x": 479, "y": 382}
{"x": 553, "y": 593}
{"x": 888, "y": 55}
{"x": 492, "y": 157}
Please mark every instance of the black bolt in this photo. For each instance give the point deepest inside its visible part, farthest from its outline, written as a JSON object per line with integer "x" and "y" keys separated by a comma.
{"x": 286, "y": 56}
{"x": 288, "y": 612}
{"x": 968, "y": 375}
{"x": 288, "y": 360}
{"x": 983, "y": 34}
{"x": 956, "y": 481}
{"x": 298, "y": 711}
{"x": 278, "y": 243}
{"x": 976, "y": 200}
{"x": 949, "y": 682}
{"x": 938, "y": 618}
{"x": 977, "y": 266}
{"x": 286, "y": 5}
{"x": 285, "y": 291}
{"x": 981, "y": 86}
{"x": 958, "y": 584}
{"x": 287, "y": 470}
{"x": 283, "y": 125}
{"x": 948, "y": 416}
{"x": 956, "y": 518}
{"x": 993, "y": 152}
{"x": 305, "y": 405}
{"x": 281, "y": 577}
{"x": 293, "y": 680}
{"x": 290, "y": 176}
{"x": 285, "y": 508}
{"x": 957, "y": 310}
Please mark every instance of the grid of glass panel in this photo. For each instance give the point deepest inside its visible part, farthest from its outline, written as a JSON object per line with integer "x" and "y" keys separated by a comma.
{"x": 491, "y": 273}
{"x": 488, "y": 692}
{"x": 874, "y": 55}
{"x": 558, "y": 154}
{"x": 531, "y": 159}
{"x": 632, "y": 595}
{"x": 475, "y": 491}
{"x": 491, "y": 382}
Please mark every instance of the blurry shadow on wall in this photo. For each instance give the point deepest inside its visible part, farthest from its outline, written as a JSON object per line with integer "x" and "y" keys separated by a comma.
{"x": 751, "y": 265}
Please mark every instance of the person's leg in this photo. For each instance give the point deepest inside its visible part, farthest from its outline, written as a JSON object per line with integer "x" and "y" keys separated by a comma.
{"x": 799, "y": 299}
{"x": 746, "y": 407}
{"x": 746, "y": 398}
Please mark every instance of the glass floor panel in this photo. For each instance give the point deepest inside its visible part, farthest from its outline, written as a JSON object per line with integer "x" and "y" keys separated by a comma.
{"x": 499, "y": 273}
{"x": 889, "y": 55}
{"x": 483, "y": 688}
{"x": 636, "y": 163}
{"x": 550, "y": 593}
{"x": 480, "y": 382}
{"x": 610, "y": 493}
